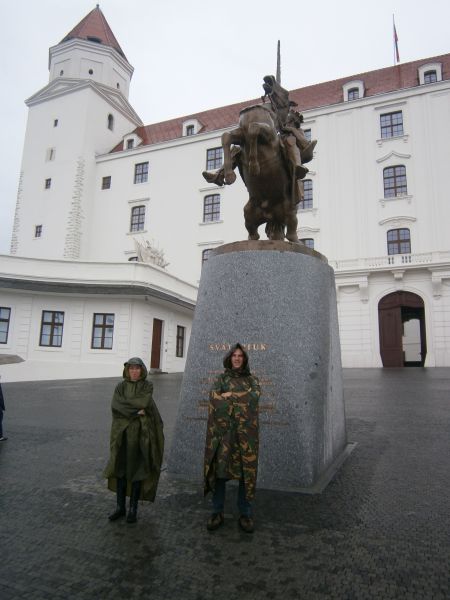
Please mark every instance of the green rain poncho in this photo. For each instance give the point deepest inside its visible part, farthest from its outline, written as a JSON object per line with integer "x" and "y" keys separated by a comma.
{"x": 137, "y": 442}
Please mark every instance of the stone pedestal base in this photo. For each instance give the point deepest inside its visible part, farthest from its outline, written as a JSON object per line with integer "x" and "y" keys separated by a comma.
{"x": 278, "y": 300}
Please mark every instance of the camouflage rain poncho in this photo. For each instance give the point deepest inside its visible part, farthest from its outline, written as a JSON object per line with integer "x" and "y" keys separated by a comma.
{"x": 137, "y": 442}
{"x": 231, "y": 450}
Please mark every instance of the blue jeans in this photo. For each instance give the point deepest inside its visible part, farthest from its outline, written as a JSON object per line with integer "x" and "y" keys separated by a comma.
{"x": 218, "y": 499}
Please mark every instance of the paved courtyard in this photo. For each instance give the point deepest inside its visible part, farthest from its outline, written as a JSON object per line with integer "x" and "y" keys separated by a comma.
{"x": 381, "y": 529}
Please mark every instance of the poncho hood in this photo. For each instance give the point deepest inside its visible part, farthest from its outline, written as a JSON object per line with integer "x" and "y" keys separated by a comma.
{"x": 244, "y": 370}
{"x": 135, "y": 360}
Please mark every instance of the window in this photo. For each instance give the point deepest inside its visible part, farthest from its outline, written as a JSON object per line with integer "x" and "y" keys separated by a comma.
{"x": 353, "y": 94}
{"x": 91, "y": 72}
{"x": 141, "y": 172}
{"x": 190, "y": 130}
{"x": 307, "y": 201}
{"x": 391, "y": 124}
{"x": 133, "y": 259}
{"x": 394, "y": 181}
{"x": 51, "y": 152}
{"x": 48, "y": 183}
{"x": 38, "y": 231}
{"x": 106, "y": 182}
{"x": 55, "y": 123}
{"x": 130, "y": 144}
{"x": 309, "y": 242}
{"x": 205, "y": 255}
{"x": 214, "y": 158}
{"x": 137, "y": 218}
{"x": 398, "y": 241}
{"x": 180, "y": 341}
{"x": 110, "y": 122}
{"x": 102, "y": 331}
{"x": 5, "y": 315}
{"x": 430, "y": 77}
{"x": 307, "y": 133}
{"x": 211, "y": 208}
{"x": 51, "y": 328}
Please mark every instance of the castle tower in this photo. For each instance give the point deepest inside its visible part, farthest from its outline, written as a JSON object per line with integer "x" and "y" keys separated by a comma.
{"x": 83, "y": 111}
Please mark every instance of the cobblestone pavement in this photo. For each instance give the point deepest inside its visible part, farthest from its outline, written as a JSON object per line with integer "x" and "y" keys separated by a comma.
{"x": 381, "y": 529}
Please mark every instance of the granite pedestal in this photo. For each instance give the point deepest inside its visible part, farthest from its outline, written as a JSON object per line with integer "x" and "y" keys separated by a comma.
{"x": 278, "y": 300}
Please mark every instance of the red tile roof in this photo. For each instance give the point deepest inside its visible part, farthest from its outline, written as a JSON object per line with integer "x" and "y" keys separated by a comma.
{"x": 313, "y": 96}
{"x": 94, "y": 28}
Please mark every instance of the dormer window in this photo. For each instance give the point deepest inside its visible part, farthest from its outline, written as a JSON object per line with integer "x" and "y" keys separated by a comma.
{"x": 353, "y": 90}
{"x": 430, "y": 77}
{"x": 430, "y": 73}
{"x": 191, "y": 127}
{"x": 130, "y": 144}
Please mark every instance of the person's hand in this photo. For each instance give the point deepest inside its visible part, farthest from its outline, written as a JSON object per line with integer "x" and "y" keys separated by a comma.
{"x": 226, "y": 394}
{"x": 141, "y": 412}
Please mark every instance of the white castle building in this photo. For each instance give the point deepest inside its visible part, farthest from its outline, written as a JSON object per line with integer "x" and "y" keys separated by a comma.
{"x": 114, "y": 219}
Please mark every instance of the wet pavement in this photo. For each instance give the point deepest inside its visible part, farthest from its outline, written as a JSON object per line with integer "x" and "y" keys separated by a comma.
{"x": 381, "y": 529}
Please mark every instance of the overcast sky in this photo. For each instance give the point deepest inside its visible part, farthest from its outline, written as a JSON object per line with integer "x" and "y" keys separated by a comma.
{"x": 192, "y": 55}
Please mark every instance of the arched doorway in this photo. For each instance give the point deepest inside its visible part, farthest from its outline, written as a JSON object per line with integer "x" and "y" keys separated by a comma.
{"x": 401, "y": 319}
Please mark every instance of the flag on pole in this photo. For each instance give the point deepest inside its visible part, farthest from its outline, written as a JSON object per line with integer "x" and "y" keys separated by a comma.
{"x": 397, "y": 55}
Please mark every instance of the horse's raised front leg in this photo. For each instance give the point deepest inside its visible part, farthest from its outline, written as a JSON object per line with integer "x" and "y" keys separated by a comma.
{"x": 228, "y": 138}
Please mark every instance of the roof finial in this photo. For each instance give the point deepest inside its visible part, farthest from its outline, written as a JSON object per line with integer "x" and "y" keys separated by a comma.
{"x": 97, "y": 6}
{"x": 278, "y": 63}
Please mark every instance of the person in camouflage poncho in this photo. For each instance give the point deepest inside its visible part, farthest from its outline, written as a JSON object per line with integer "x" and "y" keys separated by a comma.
{"x": 231, "y": 450}
{"x": 137, "y": 441}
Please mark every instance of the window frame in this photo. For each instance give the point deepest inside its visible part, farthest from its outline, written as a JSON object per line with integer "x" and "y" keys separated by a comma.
{"x": 180, "y": 340}
{"x": 54, "y": 325}
{"x": 214, "y": 161}
{"x": 137, "y": 218}
{"x": 392, "y": 128}
{"x": 106, "y": 182}
{"x": 47, "y": 183}
{"x": 308, "y": 197}
{"x": 214, "y": 207}
{"x": 37, "y": 231}
{"x": 103, "y": 326}
{"x": 7, "y": 321}
{"x": 308, "y": 245}
{"x": 353, "y": 94}
{"x": 141, "y": 172}
{"x": 397, "y": 188}
{"x": 398, "y": 241}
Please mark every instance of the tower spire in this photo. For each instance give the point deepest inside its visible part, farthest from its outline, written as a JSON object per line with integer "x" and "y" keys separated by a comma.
{"x": 278, "y": 77}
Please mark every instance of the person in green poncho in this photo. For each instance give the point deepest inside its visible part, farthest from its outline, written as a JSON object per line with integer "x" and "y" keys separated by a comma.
{"x": 231, "y": 449}
{"x": 136, "y": 443}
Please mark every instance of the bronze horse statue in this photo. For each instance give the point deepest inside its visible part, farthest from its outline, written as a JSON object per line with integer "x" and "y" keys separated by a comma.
{"x": 264, "y": 156}
{"x": 273, "y": 191}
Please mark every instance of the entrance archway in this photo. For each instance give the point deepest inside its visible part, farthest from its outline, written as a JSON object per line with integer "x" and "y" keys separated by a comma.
{"x": 401, "y": 319}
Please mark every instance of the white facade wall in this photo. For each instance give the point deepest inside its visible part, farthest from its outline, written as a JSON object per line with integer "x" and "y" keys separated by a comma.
{"x": 349, "y": 220}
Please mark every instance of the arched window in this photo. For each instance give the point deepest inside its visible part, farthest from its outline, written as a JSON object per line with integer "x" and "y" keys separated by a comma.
{"x": 398, "y": 241}
{"x": 110, "y": 122}
{"x": 353, "y": 94}
{"x": 394, "y": 181}
{"x": 211, "y": 208}
{"x": 307, "y": 201}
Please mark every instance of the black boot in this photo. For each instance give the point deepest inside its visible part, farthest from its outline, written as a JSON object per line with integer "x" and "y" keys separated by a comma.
{"x": 134, "y": 499}
{"x": 121, "y": 495}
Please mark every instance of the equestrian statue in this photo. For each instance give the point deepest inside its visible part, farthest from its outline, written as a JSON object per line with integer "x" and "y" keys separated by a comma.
{"x": 270, "y": 149}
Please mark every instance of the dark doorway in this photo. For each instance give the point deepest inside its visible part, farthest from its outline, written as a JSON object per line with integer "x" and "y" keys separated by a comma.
{"x": 401, "y": 318}
{"x": 155, "y": 360}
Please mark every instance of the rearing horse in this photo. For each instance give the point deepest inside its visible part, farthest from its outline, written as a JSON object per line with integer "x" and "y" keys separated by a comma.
{"x": 273, "y": 190}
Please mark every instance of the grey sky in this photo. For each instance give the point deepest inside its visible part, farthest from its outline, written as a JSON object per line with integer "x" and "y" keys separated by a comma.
{"x": 192, "y": 55}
